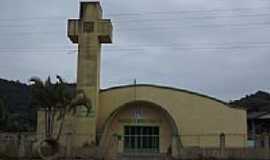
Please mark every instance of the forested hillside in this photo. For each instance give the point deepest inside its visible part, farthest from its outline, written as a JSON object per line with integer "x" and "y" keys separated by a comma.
{"x": 16, "y": 98}
{"x": 259, "y": 101}
{"x": 21, "y": 115}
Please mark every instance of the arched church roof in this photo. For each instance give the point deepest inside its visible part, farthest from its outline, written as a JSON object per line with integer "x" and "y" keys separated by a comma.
{"x": 168, "y": 88}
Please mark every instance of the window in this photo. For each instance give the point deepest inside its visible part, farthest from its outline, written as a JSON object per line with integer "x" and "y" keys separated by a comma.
{"x": 141, "y": 139}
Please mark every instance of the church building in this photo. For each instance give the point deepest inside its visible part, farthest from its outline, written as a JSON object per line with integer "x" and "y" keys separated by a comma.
{"x": 142, "y": 118}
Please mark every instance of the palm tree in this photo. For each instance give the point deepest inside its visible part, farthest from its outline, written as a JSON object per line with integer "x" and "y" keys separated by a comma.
{"x": 56, "y": 100}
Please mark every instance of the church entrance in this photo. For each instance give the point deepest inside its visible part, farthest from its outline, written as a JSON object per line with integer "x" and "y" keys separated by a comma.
{"x": 139, "y": 128}
{"x": 141, "y": 138}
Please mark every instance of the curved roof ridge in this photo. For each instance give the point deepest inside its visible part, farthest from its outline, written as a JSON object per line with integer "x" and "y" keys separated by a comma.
{"x": 166, "y": 87}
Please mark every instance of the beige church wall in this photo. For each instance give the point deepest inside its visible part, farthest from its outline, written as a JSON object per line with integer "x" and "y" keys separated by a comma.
{"x": 195, "y": 115}
{"x": 152, "y": 117}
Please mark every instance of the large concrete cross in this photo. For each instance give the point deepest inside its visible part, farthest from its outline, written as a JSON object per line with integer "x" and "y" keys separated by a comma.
{"x": 89, "y": 32}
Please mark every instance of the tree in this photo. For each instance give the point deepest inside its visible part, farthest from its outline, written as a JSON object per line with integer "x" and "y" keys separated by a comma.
{"x": 56, "y": 100}
{"x": 3, "y": 113}
{"x": 11, "y": 122}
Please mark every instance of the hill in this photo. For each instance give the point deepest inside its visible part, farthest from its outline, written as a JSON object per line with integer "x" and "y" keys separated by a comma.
{"x": 257, "y": 102}
{"x": 17, "y": 97}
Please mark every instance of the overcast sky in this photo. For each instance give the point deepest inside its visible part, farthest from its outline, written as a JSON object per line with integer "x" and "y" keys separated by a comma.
{"x": 216, "y": 47}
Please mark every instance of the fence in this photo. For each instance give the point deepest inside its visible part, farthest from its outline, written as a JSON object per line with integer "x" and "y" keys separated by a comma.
{"x": 193, "y": 146}
{"x": 214, "y": 140}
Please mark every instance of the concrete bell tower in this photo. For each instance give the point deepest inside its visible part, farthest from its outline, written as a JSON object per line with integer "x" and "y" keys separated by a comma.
{"x": 89, "y": 32}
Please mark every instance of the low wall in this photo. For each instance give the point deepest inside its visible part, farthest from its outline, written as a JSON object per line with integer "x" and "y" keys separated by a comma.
{"x": 16, "y": 144}
{"x": 22, "y": 145}
{"x": 228, "y": 153}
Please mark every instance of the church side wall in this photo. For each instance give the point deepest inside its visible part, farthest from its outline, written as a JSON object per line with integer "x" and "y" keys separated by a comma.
{"x": 200, "y": 120}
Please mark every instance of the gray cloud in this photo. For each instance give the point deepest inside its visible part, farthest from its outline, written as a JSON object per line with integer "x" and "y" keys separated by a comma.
{"x": 219, "y": 48}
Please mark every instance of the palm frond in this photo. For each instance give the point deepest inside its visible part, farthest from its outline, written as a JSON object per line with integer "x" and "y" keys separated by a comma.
{"x": 38, "y": 93}
{"x": 59, "y": 78}
{"x": 80, "y": 100}
{"x": 58, "y": 99}
{"x": 36, "y": 81}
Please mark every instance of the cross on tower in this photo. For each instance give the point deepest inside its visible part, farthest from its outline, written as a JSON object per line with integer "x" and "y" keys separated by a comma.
{"x": 89, "y": 32}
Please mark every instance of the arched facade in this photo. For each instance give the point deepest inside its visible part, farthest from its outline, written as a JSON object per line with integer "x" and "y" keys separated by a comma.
{"x": 150, "y": 129}
{"x": 198, "y": 119}
{"x": 169, "y": 118}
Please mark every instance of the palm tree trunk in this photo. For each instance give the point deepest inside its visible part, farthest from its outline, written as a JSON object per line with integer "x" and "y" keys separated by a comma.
{"x": 46, "y": 123}
{"x": 50, "y": 122}
{"x": 61, "y": 126}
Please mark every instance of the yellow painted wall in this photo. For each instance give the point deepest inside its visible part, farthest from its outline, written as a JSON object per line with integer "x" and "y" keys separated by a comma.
{"x": 199, "y": 119}
{"x": 152, "y": 116}
{"x": 194, "y": 114}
